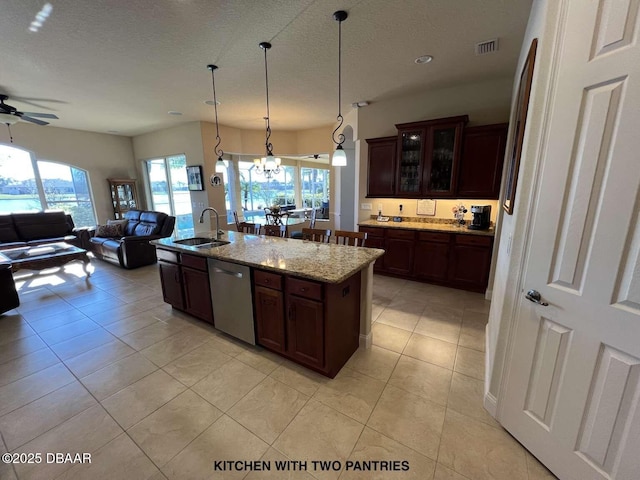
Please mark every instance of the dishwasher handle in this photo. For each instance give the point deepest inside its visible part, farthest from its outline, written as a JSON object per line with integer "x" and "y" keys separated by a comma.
{"x": 227, "y": 272}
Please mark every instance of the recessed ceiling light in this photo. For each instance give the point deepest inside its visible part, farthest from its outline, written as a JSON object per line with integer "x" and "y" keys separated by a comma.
{"x": 210, "y": 102}
{"x": 423, "y": 59}
{"x": 173, "y": 112}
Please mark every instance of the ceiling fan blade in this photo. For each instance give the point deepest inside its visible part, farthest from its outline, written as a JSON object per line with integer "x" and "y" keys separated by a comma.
{"x": 32, "y": 120}
{"x": 41, "y": 115}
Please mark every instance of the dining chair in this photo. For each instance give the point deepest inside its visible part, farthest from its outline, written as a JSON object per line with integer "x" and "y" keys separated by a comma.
{"x": 246, "y": 227}
{"x": 316, "y": 234}
{"x": 275, "y": 230}
{"x": 355, "y": 239}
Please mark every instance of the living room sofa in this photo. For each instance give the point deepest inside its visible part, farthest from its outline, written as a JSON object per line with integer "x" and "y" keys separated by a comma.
{"x": 29, "y": 229}
{"x": 133, "y": 249}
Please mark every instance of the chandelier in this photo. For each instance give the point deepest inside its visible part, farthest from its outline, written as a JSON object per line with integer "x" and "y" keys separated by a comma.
{"x": 268, "y": 165}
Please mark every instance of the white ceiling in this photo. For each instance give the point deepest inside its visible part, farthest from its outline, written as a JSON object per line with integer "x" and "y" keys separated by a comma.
{"x": 104, "y": 65}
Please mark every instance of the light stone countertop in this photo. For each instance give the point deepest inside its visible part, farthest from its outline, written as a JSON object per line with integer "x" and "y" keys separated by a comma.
{"x": 316, "y": 261}
{"x": 433, "y": 227}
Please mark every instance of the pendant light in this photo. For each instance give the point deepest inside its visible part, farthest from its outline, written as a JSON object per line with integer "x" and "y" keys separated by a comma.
{"x": 220, "y": 168}
{"x": 339, "y": 158}
{"x": 269, "y": 165}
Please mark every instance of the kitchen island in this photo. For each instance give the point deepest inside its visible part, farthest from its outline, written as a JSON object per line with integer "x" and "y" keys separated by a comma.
{"x": 311, "y": 301}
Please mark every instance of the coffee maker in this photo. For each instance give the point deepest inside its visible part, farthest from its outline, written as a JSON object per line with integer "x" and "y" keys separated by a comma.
{"x": 481, "y": 217}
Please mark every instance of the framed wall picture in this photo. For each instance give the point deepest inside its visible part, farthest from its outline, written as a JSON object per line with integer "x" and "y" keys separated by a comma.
{"x": 514, "y": 143}
{"x": 194, "y": 177}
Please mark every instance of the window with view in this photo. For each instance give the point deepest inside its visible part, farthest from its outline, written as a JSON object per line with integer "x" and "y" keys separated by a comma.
{"x": 30, "y": 185}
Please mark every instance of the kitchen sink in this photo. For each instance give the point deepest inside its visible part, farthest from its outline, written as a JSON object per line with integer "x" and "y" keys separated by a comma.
{"x": 194, "y": 241}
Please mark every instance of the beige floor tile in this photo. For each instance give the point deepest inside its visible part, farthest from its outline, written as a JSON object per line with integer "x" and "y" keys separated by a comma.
{"x": 424, "y": 379}
{"x": 32, "y": 387}
{"x": 48, "y": 323}
{"x": 470, "y": 362}
{"x": 14, "y": 327}
{"x": 473, "y": 330}
{"x": 35, "y": 418}
{"x": 86, "y": 432}
{"x": 120, "y": 459}
{"x": 444, "y": 473}
{"x": 261, "y": 359}
{"x": 291, "y": 471}
{"x": 409, "y": 419}
{"x": 536, "y": 470}
{"x": 375, "y": 362}
{"x": 228, "y": 384}
{"x": 391, "y": 338}
{"x": 224, "y": 440}
{"x": 375, "y": 446}
{"x": 18, "y": 348}
{"x": 466, "y": 397}
{"x": 300, "y": 378}
{"x": 402, "y": 314}
{"x": 82, "y": 343}
{"x": 135, "y": 402}
{"x": 351, "y": 393}
{"x": 147, "y": 336}
{"x": 488, "y": 452}
{"x": 319, "y": 433}
{"x": 26, "y": 365}
{"x": 123, "y": 326}
{"x": 173, "y": 426}
{"x": 68, "y": 331}
{"x": 431, "y": 350}
{"x": 174, "y": 347}
{"x": 93, "y": 360}
{"x": 118, "y": 375}
{"x": 268, "y": 409}
{"x": 196, "y": 364}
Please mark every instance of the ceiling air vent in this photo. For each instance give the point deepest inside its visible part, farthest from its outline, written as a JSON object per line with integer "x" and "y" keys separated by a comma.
{"x": 489, "y": 46}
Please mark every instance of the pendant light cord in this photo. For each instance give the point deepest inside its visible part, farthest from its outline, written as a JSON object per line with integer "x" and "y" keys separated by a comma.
{"x": 217, "y": 150}
{"x": 339, "y": 118}
{"x": 267, "y": 143}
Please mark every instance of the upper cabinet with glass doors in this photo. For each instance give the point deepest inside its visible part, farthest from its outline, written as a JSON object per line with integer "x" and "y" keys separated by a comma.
{"x": 428, "y": 157}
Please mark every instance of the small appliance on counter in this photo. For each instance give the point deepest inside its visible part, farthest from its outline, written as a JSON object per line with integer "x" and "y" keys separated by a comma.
{"x": 481, "y": 217}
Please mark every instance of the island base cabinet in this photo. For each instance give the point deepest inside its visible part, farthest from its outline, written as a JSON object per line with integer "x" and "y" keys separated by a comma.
{"x": 314, "y": 324}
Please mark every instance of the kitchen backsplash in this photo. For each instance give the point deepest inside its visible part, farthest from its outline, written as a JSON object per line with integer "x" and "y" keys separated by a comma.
{"x": 390, "y": 208}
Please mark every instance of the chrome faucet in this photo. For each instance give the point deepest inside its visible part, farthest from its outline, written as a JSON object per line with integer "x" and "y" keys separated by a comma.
{"x": 217, "y": 220}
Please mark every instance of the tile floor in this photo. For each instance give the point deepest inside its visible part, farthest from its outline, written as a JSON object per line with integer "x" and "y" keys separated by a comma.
{"x": 104, "y": 366}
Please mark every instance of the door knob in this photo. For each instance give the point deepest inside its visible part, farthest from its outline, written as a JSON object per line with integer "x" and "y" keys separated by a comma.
{"x": 534, "y": 296}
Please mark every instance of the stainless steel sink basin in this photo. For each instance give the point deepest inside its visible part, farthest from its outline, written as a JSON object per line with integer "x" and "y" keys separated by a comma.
{"x": 194, "y": 241}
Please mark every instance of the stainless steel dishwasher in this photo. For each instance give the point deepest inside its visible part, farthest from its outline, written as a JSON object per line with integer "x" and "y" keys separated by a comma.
{"x": 231, "y": 299}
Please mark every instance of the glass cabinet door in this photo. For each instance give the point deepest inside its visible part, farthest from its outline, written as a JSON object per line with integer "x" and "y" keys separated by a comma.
{"x": 442, "y": 159}
{"x": 410, "y": 161}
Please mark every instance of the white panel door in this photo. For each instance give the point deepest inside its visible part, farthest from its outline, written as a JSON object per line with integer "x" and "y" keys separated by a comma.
{"x": 572, "y": 394}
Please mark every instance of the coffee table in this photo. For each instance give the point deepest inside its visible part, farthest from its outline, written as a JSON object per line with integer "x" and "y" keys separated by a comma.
{"x": 45, "y": 256}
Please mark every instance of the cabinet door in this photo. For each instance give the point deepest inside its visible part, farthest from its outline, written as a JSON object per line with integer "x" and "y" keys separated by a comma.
{"x": 431, "y": 261}
{"x": 270, "y": 318}
{"x": 375, "y": 239}
{"x": 410, "y": 161}
{"x": 482, "y": 161}
{"x": 442, "y": 159}
{"x": 305, "y": 331}
{"x": 470, "y": 266}
{"x": 171, "y": 284}
{"x": 399, "y": 248}
{"x": 197, "y": 295}
{"x": 382, "y": 167}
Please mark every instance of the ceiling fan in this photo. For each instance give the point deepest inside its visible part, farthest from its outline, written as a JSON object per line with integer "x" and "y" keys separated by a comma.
{"x": 10, "y": 115}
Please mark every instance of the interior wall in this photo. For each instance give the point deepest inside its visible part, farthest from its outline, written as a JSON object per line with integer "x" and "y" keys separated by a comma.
{"x": 101, "y": 155}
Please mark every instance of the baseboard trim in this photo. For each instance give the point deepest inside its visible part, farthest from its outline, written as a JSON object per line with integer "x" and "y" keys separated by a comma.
{"x": 366, "y": 341}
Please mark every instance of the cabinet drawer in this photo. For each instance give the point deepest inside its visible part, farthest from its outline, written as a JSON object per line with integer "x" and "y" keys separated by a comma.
{"x": 473, "y": 240}
{"x": 434, "y": 237}
{"x": 404, "y": 234}
{"x": 266, "y": 279}
{"x": 304, "y": 288}
{"x": 193, "y": 261}
{"x": 372, "y": 231}
{"x": 168, "y": 255}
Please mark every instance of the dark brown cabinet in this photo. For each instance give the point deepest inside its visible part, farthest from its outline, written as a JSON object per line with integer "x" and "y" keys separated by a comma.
{"x": 314, "y": 324}
{"x": 482, "y": 161}
{"x": 432, "y": 256}
{"x": 399, "y": 246}
{"x": 185, "y": 283}
{"x": 382, "y": 169}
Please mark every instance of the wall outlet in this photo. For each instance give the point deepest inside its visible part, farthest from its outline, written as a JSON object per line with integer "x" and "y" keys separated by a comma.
{"x": 365, "y": 206}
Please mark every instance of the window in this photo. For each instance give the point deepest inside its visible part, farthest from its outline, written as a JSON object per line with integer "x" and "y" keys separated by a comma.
{"x": 30, "y": 185}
